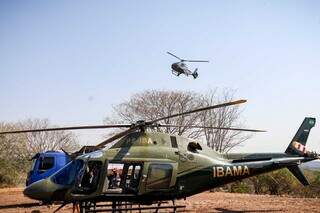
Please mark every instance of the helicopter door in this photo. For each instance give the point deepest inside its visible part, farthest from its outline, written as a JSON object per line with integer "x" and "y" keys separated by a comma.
{"x": 132, "y": 173}
{"x": 161, "y": 176}
{"x": 122, "y": 178}
{"x": 88, "y": 178}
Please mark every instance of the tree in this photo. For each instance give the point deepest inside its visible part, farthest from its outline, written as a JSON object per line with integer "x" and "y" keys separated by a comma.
{"x": 218, "y": 139}
{"x": 275, "y": 183}
{"x": 12, "y": 147}
{"x": 17, "y": 149}
{"x": 153, "y": 104}
{"x": 35, "y": 142}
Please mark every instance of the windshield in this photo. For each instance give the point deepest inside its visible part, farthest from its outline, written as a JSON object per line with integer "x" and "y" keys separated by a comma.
{"x": 67, "y": 175}
{"x": 46, "y": 163}
{"x": 33, "y": 164}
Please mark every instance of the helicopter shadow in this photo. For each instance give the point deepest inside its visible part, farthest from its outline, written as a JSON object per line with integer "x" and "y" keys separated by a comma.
{"x": 22, "y": 205}
{"x": 222, "y": 210}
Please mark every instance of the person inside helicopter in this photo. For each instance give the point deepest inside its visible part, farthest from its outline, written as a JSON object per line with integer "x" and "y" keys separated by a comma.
{"x": 132, "y": 178}
{"x": 114, "y": 179}
{"x": 90, "y": 177}
{"x": 85, "y": 182}
{"x": 122, "y": 178}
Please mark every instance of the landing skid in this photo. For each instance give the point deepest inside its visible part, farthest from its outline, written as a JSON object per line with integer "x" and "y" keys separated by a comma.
{"x": 86, "y": 207}
{"x": 176, "y": 73}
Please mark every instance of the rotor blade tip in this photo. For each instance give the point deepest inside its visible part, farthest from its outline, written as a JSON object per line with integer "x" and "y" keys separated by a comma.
{"x": 260, "y": 130}
{"x": 241, "y": 101}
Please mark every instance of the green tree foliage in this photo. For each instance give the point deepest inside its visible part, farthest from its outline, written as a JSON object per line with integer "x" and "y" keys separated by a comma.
{"x": 16, "y": 150}
{"x": 274, "y": 183}
{"x": 280, "y": 182}
{"x": 241, "y": 187}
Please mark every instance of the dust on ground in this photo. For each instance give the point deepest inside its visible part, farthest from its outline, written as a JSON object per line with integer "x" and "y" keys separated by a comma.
{"x": 12, "y": 200}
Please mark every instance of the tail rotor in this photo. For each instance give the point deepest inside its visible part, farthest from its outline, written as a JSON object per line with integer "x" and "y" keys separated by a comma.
{"x": 195, "y": 73}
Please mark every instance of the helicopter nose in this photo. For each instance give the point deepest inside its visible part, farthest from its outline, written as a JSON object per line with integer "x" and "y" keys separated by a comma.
{"x": 41, "y": 190}
{"x": 37, "y": 190}
{"x": 174, "y": 66}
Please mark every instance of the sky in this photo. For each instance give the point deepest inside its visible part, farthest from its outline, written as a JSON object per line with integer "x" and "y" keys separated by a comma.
{"x": 71, "y": 61}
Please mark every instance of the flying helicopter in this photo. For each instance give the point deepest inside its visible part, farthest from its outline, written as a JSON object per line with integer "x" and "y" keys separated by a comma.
{"x": 146, "y": 167}
{"x": 180, "y": 67}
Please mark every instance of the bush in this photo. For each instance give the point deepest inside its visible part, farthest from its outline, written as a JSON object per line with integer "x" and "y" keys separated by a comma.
{"x": 241, "y": 187}
{"x": 280, "y": 182}
{"x": 11, "y": 175}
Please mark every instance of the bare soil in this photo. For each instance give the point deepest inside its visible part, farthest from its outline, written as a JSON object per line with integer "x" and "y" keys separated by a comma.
{"x": 12, "y": 200}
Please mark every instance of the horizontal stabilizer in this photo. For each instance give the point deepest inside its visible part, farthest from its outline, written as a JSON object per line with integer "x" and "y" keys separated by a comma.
{"x": 296, "y": 171}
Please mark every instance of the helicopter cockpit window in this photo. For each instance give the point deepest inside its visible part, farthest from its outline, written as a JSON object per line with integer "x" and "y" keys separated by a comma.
{"x": 33, "y": 164}
{"x": 159, "y": 176}
{"x": 46, "y": 163}
{"x": 34, "y": 161}
{"x": 194, "y": 147}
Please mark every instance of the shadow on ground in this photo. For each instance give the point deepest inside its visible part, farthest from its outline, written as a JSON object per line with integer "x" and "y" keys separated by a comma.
{"x": 243, "y": 211}
{"x": 23, "y": 205}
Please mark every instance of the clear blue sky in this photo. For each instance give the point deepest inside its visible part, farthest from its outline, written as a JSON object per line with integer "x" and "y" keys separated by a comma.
{"x": 70, "y": 61}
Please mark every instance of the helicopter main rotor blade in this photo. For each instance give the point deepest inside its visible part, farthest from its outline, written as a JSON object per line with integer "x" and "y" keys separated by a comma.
{"x": 212, "y": 127}
{"x": 149, "y": 124}
{"x": 199, "y": 110}
{"x": 117, "y": 136}
{"x": 195, "y": 61}
{"x": 67, "y": 128}
{"x": 175, "y": 56}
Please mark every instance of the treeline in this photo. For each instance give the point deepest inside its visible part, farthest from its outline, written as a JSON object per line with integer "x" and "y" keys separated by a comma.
{"x": 16, "y": 150}
{"x": 280, "y": 182}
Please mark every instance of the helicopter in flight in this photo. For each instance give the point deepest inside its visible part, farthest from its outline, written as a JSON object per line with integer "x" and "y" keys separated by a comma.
{"x": 146, "y": 167}
{"x": 180, "y": 67}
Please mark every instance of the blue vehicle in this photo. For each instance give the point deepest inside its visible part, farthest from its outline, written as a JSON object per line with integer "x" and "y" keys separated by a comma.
{"x": 45, "y": 164}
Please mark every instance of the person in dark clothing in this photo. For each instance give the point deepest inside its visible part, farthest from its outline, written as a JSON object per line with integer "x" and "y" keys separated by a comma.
{"x": 113, "y": 179}
{"x": 85, "y": 183}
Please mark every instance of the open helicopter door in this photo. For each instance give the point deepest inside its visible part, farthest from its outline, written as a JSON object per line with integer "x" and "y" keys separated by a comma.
{"x": 122, "y": 177}
{"x": 87, "y": 179}
{"x": 159, "y": 176}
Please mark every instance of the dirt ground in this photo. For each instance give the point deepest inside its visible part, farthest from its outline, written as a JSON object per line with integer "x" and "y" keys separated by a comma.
{"x": 12, "y": 200}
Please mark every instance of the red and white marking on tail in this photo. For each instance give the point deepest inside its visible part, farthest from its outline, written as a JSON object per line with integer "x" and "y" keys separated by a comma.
{"x": 299, "y": 147}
